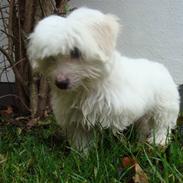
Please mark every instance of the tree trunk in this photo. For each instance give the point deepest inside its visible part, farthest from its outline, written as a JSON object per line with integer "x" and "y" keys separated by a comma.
{"x": 31, "y": 88}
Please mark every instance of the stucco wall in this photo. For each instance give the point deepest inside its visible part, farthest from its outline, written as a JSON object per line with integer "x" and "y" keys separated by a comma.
{"x": 152, "y": 29}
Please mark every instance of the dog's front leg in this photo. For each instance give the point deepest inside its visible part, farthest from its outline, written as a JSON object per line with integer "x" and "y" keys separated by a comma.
{"x": 79, "y": 138}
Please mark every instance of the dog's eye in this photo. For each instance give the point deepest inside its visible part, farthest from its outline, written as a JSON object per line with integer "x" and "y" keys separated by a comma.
{"x": 75, "y": 53}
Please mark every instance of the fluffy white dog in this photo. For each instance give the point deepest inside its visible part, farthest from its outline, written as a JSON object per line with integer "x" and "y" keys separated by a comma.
{"x": 93, "y": 85}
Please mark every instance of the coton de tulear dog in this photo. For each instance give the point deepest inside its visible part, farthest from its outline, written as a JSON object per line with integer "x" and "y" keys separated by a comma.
{"x": 93, "y": 85}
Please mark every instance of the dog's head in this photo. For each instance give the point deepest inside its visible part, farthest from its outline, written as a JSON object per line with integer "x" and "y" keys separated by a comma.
{"x": 74, "y": 50}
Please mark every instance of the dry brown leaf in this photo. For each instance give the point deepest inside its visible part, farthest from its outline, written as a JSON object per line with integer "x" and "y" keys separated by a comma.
{"x": 2, "y": 158}
{"x": 7, "y": 111}
{"x": 140, "y": 175}
{"x": 32, "y": 122}
{"x": 128, "y": 161}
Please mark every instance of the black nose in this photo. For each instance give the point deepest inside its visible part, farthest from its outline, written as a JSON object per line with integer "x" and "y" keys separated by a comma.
{"x": 63, "y": 84}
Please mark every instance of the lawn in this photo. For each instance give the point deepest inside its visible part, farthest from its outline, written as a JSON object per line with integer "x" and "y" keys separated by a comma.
{"x": 41, "y": 155}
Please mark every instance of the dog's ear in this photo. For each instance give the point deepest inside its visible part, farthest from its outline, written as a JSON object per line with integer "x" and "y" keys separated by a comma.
{"x": 105, "y": 34}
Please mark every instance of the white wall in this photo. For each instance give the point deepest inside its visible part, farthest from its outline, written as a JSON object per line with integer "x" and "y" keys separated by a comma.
{"x": 152, "y": 29}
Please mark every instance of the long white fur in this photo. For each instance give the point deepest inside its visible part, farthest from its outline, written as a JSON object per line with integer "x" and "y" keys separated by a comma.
{"x": 107, "y": 89}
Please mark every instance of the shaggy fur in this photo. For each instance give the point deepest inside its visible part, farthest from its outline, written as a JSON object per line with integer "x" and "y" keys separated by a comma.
{"x": 92, "y": 84}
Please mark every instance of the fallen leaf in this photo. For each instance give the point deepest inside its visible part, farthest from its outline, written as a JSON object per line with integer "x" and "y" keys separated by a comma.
{"x": 2, "y": 158}
{"x": 19, "y": 131}
{"x": 128, "y": 161}
{"x": 32, "y": 123}
{"x": 140, "y": 175}
{"x": 95, "y": 171}
{"x": 7, "y": 111}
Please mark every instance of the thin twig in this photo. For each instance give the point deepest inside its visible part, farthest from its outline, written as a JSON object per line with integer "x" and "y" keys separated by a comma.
{"x": 3, "y": 19}
{"x": 12, "y": 66}
{"x": 10, "y": 26}
{"x": 7, "y": 34}
{"x": 42, "y": 10}
{"x": 16, "y": 72}
{"x": 16, "y": 96}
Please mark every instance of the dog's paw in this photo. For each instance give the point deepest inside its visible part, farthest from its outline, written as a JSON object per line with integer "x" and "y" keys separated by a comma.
{"x": 160, "y": 140}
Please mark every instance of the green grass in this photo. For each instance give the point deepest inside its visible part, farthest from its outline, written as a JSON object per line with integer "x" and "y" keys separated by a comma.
{"x": 41, "y": 155}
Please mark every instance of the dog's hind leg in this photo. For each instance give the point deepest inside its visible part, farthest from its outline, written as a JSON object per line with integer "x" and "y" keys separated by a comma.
{"x": 143, "y": 127}
{"x": 164, "y": 121}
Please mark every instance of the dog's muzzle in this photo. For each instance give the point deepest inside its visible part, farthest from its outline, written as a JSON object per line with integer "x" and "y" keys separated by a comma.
{"x": 62, "y": 84}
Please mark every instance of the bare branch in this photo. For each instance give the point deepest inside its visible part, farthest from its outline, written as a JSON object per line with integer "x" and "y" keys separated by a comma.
{"x": 19, "y": 18}
{"x": 16, "y": 96}
{"x": 10, "y": 27}
{"x": 7, "y": 34}
{"x": 17, "y": 74}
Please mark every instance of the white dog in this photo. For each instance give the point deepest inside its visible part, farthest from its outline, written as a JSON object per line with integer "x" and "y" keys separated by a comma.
{"x": 93, "y": 85}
